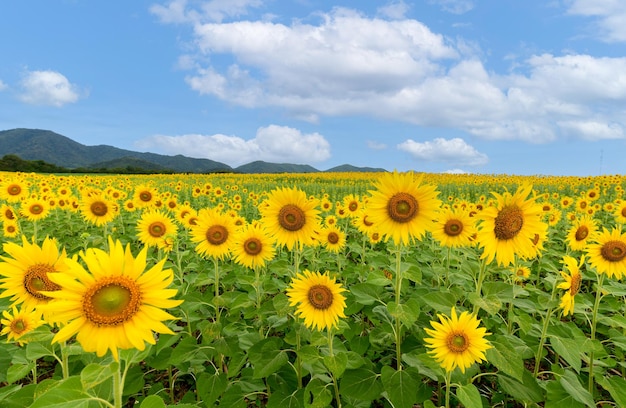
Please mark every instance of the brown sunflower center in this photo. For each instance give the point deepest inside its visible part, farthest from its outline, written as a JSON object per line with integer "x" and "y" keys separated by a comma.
{"x": 9, "y": 215}
{"x": 508, "y": 222}
{"x": 624, "y": 212}
{"x": 353, "y": 206}
{"x": 35, "y": 209}
{"x": 402, "y": 207}
{"x": 99, "y": 208}
{"x": 613, "y": 251}
{"x": 453, "y": 228}
{"x": 332, "y": 238}
{"x": 320, "y": 297}
{"x": 367, "y": 222}
{"x": 18, "y": 326}
{"x": 157, "y": 229}
{"x": 216, "y": 234}
{"x": 14, "y": 189}
{"x": 575, "y": 285}
{"x": 457, "y": 342}
{"x": 253, "y": 246}
{"x": 111, "y": 301}
{"x": 581, "y": 233}
{"x": 291, "y": 217}
{"x": 36, "y": 280}
{"x": 145, "y": 196}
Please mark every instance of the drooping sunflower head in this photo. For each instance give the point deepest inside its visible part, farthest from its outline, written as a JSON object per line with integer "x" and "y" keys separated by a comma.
{"x": 319, "y": 299}
{"x": 402, "y": 207}
{"x": 457, "y": 341}
{"x": 607, "y": 253}
{"x": 572, "y": 282}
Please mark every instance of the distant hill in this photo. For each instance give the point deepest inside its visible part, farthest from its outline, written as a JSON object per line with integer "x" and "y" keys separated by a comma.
{"x": 350, "y": 168}
{"x": 59, "y": 150}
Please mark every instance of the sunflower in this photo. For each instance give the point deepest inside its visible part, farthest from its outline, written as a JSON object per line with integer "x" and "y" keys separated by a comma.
{"x": 114, "y": 303}
{"x": 620, "y": 213}
{"x": 454, "y": 228}
{"x": 607, "y": 253}
{"x": 319, "y": 298}
{"x": 145, "y": 196}
{"x": 156, "y": 229}
{"x": 27, "y": 269}
{"x": 290, "y": 217}
{"x": 10, "y": 229}
{"x": 97, "y": 209}
{"x": 17, "y": 323}
{"x": 14, "y": 190}
{"x": 457, "y": 341}
{"x": 352, "y": 204}
{"x": 213, "y": 233}
{"x": 521, "y": 273}
{"x": 333, "y": 238}
{"x": 512, "y": 227}
{"x": 571, "y": 284}
{"x": 252, "y": 247}
{"x": 34, "y": 208}
{"x": 7, "y": 213}
{"x": 362, "y": 221}
{"x": 401, "y": 207}
{"x": 581, "y": 232}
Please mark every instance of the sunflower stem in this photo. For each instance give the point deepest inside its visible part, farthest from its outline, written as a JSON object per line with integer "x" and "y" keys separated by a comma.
{"x": 479, "y": 281}
{"x": 118, "y": 386}
{"x": 65, "y": 368}
{"x": 217, "y": 290}
{"x": 544, "y": 331}
{"x": 398, "y": 323}
{"x": 594, "y": 321}
{"x": 298, "y": 358}
{"x": 448, "y": 385}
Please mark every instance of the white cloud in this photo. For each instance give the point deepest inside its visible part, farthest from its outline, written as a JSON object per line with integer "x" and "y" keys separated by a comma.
{"x": 177, "y": 11}
{"x": 454, "y": 151}
{"x": 3, "y": 86}
{"x": 47, "y": 88}
{"x": 455, "y": 6}
{"x": 609, "y": 17}
{"x": 394, "y": 10}
{"x": 276, "y": 144}
{"x": 376, "y": 145}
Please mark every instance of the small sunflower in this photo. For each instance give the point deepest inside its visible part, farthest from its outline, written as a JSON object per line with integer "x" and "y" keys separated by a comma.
{"x": 34, "y": 208}
{"x": 14, "y": 190}
{"x": 252, "y": 247}
{"x": 145, "y": 196}
{"x": 10, "y": 229}
{"x": 98, "y": 209}
{"x": 113, "y": 304}
{"x": 521, "y": 273}
{"x": 27, "y": 269}
{"x": 333, "y": 239}
{"x": 290, "y": 217}
{"x": 457, "y": 341}
{"x": 454, "y": 228}
{"x": 17, "y": 323}
{"x": 213, "y": 233}
{"x": 402, "y": 207}
{"x": 572, "y": 283}
{"x": 581, "y": 232}
{"x": 156, "y": 229}
{"x": 352, "y": 204}
{"x": 512, "y": 227}
{"x": 319, "y": 299}
{"x": 607, "y": 253}
{"x": 7, "y": 213}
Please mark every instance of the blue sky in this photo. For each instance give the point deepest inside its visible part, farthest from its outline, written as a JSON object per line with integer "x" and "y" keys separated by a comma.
{"x": 496, "y": 87}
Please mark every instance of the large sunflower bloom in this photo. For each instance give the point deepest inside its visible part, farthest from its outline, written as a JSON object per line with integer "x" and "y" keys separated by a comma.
{"x": 402, "y": 208}
{"x": 607, "y": 254}
{"x": 252, "y": 247}
{"x": 27, "y": 269}
{"x": 213, "y": 233}
{"x": 290, "y": 217}
{"x": 156, "y": 229}
{"x": 114, "y": 303}
{"x": 457, "y": 341}
{"x": 454, "y": 228}
{"x": 581, "y": 232}
{"x": 572, "y": 283}
{"x": 319, "y": 299}
{"x": 511, "y": 227}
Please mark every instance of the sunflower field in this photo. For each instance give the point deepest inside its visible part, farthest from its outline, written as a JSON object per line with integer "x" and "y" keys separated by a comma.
{"x": 395, "y": 289}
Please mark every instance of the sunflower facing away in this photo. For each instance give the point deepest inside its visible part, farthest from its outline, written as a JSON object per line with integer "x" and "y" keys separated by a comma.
{"x": 17, "y": 323}
{"x": 113, "y": 304}
{"x": 454, "y": 228}
{"x": 27, "y": 269}
{"x": 318, "y": 298}
{"x": 607, "y": 254}
{"x": 290, "y": 217}
{"x": 457, "y": 341}
{"x": 511, "y": 227}
{"x": 402, "y": 208}
{"x": 572, "y": 283}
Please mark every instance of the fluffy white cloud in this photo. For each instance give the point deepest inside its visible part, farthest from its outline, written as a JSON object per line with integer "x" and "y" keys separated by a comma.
{"x": 455, "y": 6}
{"x": 47, "y": 88}
{"x": 276, "y": 144}
{"x": 395, "y": 10}
{"x": 177, "y": 11}
{"x": 454, "y": 151}
{"x": 609, "y": 14}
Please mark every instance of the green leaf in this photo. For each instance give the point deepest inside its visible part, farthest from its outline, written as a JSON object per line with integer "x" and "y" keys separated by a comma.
{"x": 94, "y": 374}
{"x": 361, "y": 384}
{"x": 267, "y": 357}
{"x": 400, "y": 386}
{"x": 280, "y": 400}
{"x": 366, "y": 293}
{"x": 570, "y": 383}
{"x": 616, "y": 386}
{"x": 570, "y": 350}
{"x": 489, "y": 303}
{"x": 468, "y": 396}
{"x": 336, "y": 363}
{"x": 527, "y": 391}
{"x": 18, "y": 371}
{"x": 317, "y": 394}
{"x": 441, "y": 302}
{"x": 558, "y": 397}
{"x": 210, "y": 387}
{"x": 37, "y": 350}
{"x": 63, "y": 394}
{"x": 504, "y": 356}
{"x": 152, "y": 401}
{"x": 408, "y": 312}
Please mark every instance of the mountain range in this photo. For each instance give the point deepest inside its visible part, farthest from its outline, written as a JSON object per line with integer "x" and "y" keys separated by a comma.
{"x": 51, "y": 147}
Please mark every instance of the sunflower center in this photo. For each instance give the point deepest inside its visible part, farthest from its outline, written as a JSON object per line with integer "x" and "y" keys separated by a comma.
{"x": 35, "y": 209}
{"x": 508, "y": 222}
{"x": 581, "y": 233}
{"x": 366, "y": 222}
{"x": 402, "y": 207}
{"x": 14, "y": 189}
{"x": 333, "y": 238}
{"x": 98, "y": 208}
{"x": 458, "y": 342}
{"x": 111, "y": 301}
{"x": 613, "y": 251}
{"x": 575, "y": 285}
{"x": 253, "y": 246}
{"x": 291, "y": 217}
{"x": 36, "y": 280}
{"x": 624, "y": 212}
{"x": 9, "y": 214}
{"x": 353, "y": 206}
{"x": 18, "y": 326}
{"x": 157, "y": 229}
{"x": 145, "y": 196}
{"x": 453, "y": 228}
{"x": 320, "y": 297}
{"x": 216, "y": 234}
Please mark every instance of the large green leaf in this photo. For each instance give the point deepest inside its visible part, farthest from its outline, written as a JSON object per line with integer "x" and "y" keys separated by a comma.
{"x": 468, "y": 396}
{"x": 400, "y": 386}
{"x": 616, "y": 386}
{"x": 504, "y": 356}
{"x": 361, "y": 384}
{"x": 570, "y": 350}
{"x": 572, "y": 385}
